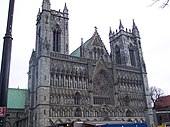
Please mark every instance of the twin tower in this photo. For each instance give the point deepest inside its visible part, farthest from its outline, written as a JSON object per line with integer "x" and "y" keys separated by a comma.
{"x": 89, "y": 84}
{"x": 53, "y": 34}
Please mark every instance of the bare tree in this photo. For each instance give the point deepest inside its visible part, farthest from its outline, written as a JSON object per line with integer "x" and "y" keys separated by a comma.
{"x": 164, "y": 3}
{"x": 156, "y": 93}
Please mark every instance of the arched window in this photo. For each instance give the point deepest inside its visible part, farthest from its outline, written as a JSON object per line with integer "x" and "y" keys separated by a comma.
{"x": 127, "y": 101}
{"x": 118, "y": 55}
{"x": 78, "y": 112}
{"x": 56, "y": 40}
{"x": 132, "y": 57}
{"x": 77, "y": 98}
{"x": 129, "y": 113}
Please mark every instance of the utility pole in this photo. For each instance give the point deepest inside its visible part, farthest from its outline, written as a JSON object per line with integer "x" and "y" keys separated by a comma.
{"x": 5, "y": 65}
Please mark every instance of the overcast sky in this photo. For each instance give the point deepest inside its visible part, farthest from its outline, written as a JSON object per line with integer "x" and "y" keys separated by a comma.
{"x": 152, "y": 22}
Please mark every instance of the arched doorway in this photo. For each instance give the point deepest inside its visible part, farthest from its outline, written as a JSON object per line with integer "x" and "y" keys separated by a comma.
{"x": 129, "y": 113}
{"x": 78, "y": 112}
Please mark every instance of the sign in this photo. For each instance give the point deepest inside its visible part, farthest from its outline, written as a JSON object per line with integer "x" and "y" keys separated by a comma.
{"x": 2, "y": 111}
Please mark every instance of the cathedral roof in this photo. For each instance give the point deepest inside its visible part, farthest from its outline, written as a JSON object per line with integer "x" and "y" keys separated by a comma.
{"x": 16, "y": 98}
{"x": 77, "y": 51}
{"x": 95, "y": 40}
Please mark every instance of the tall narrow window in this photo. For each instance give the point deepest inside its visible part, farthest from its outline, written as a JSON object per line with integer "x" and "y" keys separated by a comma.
{"x": 39, "y": 40}
{"x": 118, "y": 57}
{"x": 77, "y": 98}
{"x": 132, "y": 57}
{"x": 127, "y": 101}
{"x": 78, "y": 112}
{"x": 56, "y": 40}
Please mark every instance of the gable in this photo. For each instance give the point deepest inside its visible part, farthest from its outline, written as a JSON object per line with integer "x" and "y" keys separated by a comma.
{"x": 92, "y": 49}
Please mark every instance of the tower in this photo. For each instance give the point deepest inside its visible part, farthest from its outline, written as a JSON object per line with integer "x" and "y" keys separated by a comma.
{"x": 51, "y": 37}
{"x": 52, "y": 30}
{"x": 123, "y": 46}
{"x": 127, "y": 53}
{"x": 88, "y": 84}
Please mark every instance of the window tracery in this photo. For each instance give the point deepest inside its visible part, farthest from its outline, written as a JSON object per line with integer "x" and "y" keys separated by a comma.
{"x": 57, "y": 39}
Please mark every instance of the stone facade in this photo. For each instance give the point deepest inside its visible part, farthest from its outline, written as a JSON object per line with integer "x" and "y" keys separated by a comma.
{"x": 90, "y": 83}
{"x": 16, "y": 118}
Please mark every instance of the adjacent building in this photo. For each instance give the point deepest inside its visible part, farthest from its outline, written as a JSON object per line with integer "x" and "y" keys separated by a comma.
{"x": 162, "y": 108}
{"x": 90, "y": 84}
{"x": 16, "y": 113}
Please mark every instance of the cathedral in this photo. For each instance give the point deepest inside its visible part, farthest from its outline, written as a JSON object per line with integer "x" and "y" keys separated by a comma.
{"x": 90, "y": 84}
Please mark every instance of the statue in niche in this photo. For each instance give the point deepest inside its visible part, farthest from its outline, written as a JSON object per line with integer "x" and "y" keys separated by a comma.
{"x": 61, "y": 100}
{"x": 46, "y": 19}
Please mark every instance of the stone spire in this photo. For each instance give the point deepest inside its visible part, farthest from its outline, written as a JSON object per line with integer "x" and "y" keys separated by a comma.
{"x": 120, "y": 25}
{"x": 38, "y": 15}
{"x": 81, "y": 41}
{"x": 110, "y": 32}
{"x": 82, "y": 48}
{"x": 39, "y": 11}
{"x": 135, "y": 30}
{"x": 46, "y": 5}
{"x": 65, "y": 10}
{"x": 134, "y": 25}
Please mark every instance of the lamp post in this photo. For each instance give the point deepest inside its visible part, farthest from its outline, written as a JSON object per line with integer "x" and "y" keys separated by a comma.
{"x": 5, "y": 64}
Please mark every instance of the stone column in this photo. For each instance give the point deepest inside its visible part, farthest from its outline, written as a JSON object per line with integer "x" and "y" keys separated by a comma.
{"x": 68, "y": 81}
{"x": 59, "y": 79}
{"x": 64, "y": 80}
{"x": 73, "y": 81}
{"x": 82, "y": 82}
{"x": 54, "y": 80}
{"x": 78, "y": 82}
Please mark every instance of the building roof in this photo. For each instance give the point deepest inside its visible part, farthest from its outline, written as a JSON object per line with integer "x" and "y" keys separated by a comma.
{"x": 16, "y": 98}
{"x": 162, "y": 102}
{"x": 89, "y": 43}
{"x": 77, "y": 51}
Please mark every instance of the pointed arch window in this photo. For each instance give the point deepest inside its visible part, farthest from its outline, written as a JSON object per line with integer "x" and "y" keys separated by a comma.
{"x": 39, "y": 40}
{"x": 77, "y": 98}
{"x": 56, "y": 40}
{"x": 118, "y": 56}
{"x": 78, "y": 112}
{"x": 127, "y": 101}
{"x": 129, "y": 113}
{"x": 132, "y": 57}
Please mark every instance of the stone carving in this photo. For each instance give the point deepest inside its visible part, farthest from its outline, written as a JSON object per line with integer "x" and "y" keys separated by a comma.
{"x": 100, "y": 84}
{"x": 96, "y": 76}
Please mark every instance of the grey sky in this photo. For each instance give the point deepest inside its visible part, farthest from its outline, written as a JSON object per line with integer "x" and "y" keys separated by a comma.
{"x": 152, "y": 22}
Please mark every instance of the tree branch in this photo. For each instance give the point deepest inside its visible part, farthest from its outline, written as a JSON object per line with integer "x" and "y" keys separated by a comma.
{"x": 166, "y": 2}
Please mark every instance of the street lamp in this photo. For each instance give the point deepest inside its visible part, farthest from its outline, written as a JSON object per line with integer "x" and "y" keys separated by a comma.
{"x": 5, "y": 64}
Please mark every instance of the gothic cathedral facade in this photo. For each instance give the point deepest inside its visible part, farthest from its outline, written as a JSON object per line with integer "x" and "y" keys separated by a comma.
{"x": 90, "y": 83}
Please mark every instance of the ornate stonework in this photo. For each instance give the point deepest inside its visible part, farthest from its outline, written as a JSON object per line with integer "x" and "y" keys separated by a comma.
{"x": 88, "y": 84}
{"x": 101, "y": 84}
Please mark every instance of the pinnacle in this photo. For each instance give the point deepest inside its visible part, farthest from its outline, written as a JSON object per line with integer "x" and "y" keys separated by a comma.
{"x": 110, "y": 33}
{"x": 120, "y": 25}
{"x": 65, "y": 8}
